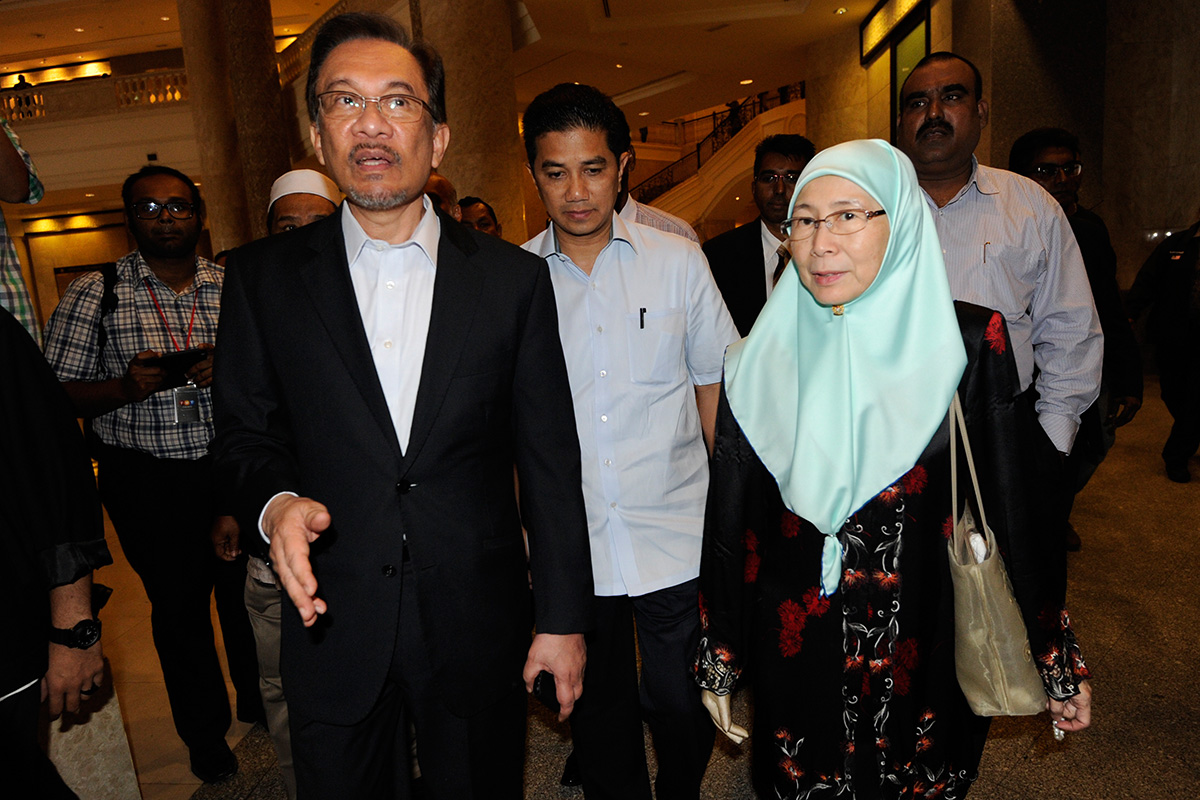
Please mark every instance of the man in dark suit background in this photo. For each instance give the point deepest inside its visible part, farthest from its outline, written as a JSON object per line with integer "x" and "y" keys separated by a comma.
{"x": 745, "y": 261}
{"x": 383, "y": 370}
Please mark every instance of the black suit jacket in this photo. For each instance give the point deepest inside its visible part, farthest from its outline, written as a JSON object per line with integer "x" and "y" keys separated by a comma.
{"x": 736, "y": 260}
{"x": 299, "y": 408}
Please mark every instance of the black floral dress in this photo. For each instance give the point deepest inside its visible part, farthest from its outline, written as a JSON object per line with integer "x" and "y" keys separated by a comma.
{"x": 855, "y": 694}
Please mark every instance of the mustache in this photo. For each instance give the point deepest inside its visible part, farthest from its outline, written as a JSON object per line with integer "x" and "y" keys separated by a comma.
{"x": 382, "y": 148}
{"x": 935, "y": 124}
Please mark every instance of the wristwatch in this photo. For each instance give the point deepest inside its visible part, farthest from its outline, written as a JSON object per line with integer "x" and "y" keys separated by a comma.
{"x": 85, "y": 634}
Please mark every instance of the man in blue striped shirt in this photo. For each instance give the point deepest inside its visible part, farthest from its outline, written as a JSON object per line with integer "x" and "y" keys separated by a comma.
{"x": 1008, "y": 246}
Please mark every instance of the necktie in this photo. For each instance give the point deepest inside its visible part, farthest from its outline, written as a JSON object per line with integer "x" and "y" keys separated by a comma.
{"x": 784, "y": 257}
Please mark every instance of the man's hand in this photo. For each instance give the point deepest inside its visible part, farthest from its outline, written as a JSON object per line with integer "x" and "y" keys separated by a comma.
{"x": 72, "y": 673}
{"x": 225, "y": 538}
{"x": 1122, "y": 410}
{"x": 564, "y": 657}
{"x": 1074, "y": 713}
{"x": 292, "y": 524}
{"x": 141, "y": 379}
{"x": 201, "y": 373}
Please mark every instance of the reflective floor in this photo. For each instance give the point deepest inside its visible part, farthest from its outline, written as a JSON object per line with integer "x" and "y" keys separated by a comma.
{"x": 1134, "y": 599}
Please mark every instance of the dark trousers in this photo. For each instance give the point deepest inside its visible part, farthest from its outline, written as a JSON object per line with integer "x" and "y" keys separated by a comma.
{"x": 607, "y": 721}
{"x": 162, "y": 510}
{"x": 482, "y": 756}
{"x": 1181, "y": 394}
{"x": 25, "y": 771}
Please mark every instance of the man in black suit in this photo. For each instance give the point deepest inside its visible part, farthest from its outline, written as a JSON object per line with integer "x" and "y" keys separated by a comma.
{"x": 746, "y": 260}
{"x": 382, "y": 371}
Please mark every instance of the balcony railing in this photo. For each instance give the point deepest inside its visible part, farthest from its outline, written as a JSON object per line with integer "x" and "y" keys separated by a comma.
{"x": 725, "y": 125}
{"x": 89, "y": 97}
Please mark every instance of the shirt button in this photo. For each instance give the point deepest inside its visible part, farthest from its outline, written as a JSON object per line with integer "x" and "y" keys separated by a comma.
{"x": 604, "y": 417}
{"x": 389, "y": 571}
{"x": 603, "y": 373}
{"x": 608, "y": 462}
{"x": 593, "y": 286}
{"x": 612, "y": 505}
{"x": 599, "y": 329}
{"x": 387, "y": 343}
{"x": 390, "y": 284}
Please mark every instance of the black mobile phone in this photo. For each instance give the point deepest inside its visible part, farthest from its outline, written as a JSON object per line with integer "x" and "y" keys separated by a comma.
{"x": 177, "y": 364}
{"x": 545, "y": 691}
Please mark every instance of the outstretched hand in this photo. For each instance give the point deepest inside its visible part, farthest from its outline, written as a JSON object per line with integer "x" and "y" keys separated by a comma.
{"x": 719, "y": 709}
{"x": 293, "y": 524}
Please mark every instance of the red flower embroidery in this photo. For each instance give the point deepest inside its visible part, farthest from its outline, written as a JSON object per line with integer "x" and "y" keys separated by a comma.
{"x": 853, "y": 577}
{"x": 854, "y": 663}
{"x": 908, "y": 656}
{"x": 948, "y": 528}
{"x": 886, "y": 580}
{"x": 881, "y": 742}
{"x": 789, "y": 525}
{"x": 750, "y": 567}
{"x": 890, "y": 495}
{"x": 723, "y": 654}
{"x": 783, "y": 735}
{"x": 995, "y": 334}
{"x": 703, "y": 611}
{"x": 924, "y": 743}
{"x": 901, "y": 682}
{"x": 793, "y": 617}
{"x": 915, "y": 480}
{"x": 791, "y": 769}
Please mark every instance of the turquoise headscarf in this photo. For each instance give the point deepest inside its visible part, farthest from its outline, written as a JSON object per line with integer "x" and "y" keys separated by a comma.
{"x": 838, "y": 407}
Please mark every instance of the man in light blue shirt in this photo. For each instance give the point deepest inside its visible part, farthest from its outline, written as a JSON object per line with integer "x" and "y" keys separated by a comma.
{"x": 644, "y": 331}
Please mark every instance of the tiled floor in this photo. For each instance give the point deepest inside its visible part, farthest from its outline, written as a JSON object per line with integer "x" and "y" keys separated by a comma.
{"x": 1134, "y": 596}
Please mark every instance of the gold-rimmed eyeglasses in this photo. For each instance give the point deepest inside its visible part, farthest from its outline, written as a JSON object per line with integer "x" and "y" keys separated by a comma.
{"x": 342, "y": 105}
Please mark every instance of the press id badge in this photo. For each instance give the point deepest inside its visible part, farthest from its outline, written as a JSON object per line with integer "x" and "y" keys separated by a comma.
{"x": 187, "y": 404}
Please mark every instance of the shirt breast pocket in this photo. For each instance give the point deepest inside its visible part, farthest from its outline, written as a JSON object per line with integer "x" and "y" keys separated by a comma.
{"x": 656, "y": 345}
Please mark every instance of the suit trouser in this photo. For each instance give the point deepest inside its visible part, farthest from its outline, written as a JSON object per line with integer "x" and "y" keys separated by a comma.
{"x": 25, "y": 770}
{"x": 482, "y": 756}
{"x": 1180, "y": 385}
{"x": 162, "y": 510}
{"x": 264, "y": 604}
{"x": 607, "y": 722}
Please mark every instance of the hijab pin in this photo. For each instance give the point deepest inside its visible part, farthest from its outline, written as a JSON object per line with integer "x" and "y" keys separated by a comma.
{"x": 839, "y": 310}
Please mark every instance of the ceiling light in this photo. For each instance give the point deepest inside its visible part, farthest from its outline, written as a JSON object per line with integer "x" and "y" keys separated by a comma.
{"x": 165, "y": 19}
{"x": 840, "y": 11}
{"x": 79, "y": 30}
{"x": 746, "y": 82}
{"x": 643, "y": 113}
{"x": 619, "y": 66}
{"x": 89, "y": 194}
{"x": 737, "y": 198}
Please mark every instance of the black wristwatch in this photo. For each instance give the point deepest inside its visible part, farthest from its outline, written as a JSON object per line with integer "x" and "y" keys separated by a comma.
{"x": 85, "y": 634}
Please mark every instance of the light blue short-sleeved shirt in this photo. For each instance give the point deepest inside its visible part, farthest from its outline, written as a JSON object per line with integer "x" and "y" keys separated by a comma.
{"x": 638, "y": 334}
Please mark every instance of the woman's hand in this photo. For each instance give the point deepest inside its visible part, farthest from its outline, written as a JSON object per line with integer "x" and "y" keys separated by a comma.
{"x": 718, "y": 709}
{"x": 1072, "y": 714}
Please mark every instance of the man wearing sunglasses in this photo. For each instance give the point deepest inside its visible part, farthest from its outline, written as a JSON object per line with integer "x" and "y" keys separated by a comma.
{"x": 115, "y": 342}
{"x": 745, "y": 260}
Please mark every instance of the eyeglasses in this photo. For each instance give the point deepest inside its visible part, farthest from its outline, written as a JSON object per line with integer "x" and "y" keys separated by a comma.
{"x": 395, "y": 107}
{"x": 769, "y": 178}
{"x": 1050, "y": 171}
{"x": 149, "y": 209}
{"x": 842, "y": 223}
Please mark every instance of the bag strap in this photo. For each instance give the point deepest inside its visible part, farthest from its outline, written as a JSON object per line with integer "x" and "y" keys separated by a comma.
{"x": 958, "y": 422}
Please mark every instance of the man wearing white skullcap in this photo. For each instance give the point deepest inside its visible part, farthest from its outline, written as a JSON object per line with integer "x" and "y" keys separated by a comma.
{"x": 300, "y": 197}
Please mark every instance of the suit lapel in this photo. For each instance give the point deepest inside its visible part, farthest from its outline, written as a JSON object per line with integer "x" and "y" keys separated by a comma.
{"x": 456, "y": 293}
{"x": 326, "y": 277}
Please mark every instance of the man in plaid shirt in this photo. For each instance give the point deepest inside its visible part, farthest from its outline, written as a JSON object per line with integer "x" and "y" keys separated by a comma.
{"x": 154, "y": 422}
{"x": 18, "y": 184}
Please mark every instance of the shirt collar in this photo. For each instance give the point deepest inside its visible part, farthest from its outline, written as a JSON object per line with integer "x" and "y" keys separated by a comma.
{"x": 620, "y": 232}
{"x": 206, "y": 271}
{"x": 425, "y": 236}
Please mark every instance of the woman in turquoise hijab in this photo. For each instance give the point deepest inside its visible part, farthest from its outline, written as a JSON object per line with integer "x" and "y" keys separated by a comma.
{"x": 824, "y": 572}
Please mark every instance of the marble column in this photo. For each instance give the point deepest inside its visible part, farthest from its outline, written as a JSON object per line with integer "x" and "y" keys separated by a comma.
{"x": 211, "y": 101}
{"x": 262, "y": 137}
{"x": 485, "y": 157}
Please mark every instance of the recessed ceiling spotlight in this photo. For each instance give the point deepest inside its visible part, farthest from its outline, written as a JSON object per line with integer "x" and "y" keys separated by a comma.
{"x": 840, "y": 11}
{"x": 746, "y": 82}
{"x": 643, "y": 113}
{"x": 79, "y": 30}
{"x": 89, "y": 194}
{"x": 165, "y": 19}
{"x": 619, "y": 66}
{"x": 737, "y": 198}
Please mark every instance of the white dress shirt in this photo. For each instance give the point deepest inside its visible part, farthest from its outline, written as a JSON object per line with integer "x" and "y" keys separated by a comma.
{"x": 1009, "y": 247}
{"x": 638, "y": 334}
{"x": 393, "y": 284}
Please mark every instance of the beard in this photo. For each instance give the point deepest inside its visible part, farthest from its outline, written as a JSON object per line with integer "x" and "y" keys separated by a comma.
{"x": 377, "y": 200}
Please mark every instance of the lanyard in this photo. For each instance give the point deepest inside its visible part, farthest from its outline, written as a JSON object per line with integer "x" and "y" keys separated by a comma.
{"x": 195, "y": 296}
